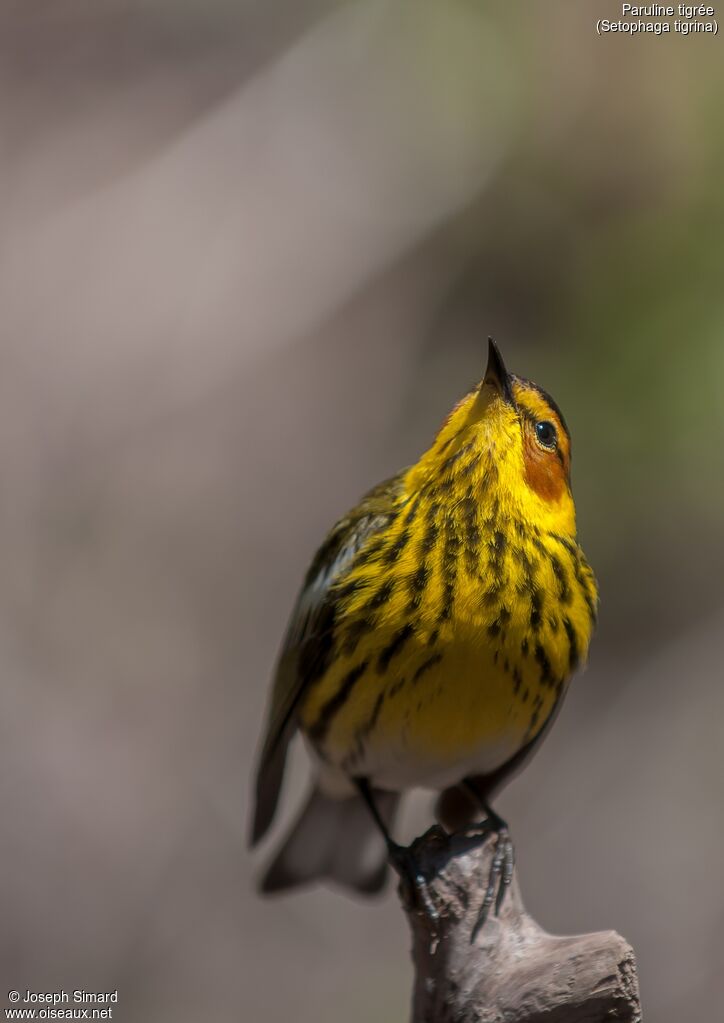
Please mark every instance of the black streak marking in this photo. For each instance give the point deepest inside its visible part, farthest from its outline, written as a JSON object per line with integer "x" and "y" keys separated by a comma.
{"x": 335, "y": 703}
{"x": 469, "y": 467}
{"x": 381, "y": 595}
{"x": 430, "y": 537}
{"x": 536, "y": 604}
{"x": 395, "y": 687}
{"x": 495, "y": 628}
{"x": 580, "y": 566}
{"x": 573, "y": 655}
{"x": 449, "y": 570}
{"x": 570, "y": 547}
{"x": 369, "y": 553}
{"x": 539, "y": 545}
{"x": 448, "y": 598}
{"x": 395, "y": 549}
{"x": 498, "y": 543}
{"x": 372, "y": 720}
{"x": 425, "y": 666}
{"x": 394, "y": 646}
{"x": 356, "y": 629}
{"x": 535, "y": 716}
{"x": 546, "y": 672}
{"x": 564, "y": 589}
{"x": 460, "y": 453}
{"x": 469, "y": 511}
{"x": 418, "y": 582}
{"x": 413, "y": 510}
{"x": 517, "y": 680}
{"x": 348, "y": 589}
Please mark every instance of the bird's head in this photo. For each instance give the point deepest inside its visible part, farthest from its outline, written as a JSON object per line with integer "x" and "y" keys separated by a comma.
{"x": 508, "y": 440}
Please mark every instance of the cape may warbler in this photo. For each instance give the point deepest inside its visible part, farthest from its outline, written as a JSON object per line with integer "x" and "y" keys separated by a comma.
{"x": 435, "y": 634}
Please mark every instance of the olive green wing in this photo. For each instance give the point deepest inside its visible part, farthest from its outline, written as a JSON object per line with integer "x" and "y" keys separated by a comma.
{"x": 309, "y": 638}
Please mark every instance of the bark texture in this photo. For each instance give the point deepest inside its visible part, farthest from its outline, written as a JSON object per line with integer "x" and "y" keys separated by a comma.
{"x": 509, "y": 970}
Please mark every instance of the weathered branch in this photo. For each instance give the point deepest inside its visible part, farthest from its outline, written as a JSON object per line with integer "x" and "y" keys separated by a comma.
{"x": 510, "y": 970}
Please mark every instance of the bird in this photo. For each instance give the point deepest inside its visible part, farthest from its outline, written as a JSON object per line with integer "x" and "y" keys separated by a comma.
{"x": 432, "y": 642}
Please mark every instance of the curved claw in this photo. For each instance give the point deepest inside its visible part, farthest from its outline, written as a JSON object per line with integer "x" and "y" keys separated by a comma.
{"x": 499, "y": 879}
{"x": 415, "y": 885}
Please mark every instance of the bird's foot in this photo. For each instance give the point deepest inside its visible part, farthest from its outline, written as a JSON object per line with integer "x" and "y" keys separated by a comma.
{"x": 500, "y": 875}
{"x": 413, "y": 882}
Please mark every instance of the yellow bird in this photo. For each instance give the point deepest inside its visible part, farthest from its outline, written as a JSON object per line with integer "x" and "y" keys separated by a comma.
{"x": 434, "y": 636}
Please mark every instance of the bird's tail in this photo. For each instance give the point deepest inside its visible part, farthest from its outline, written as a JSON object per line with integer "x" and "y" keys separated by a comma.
{"x": 334, "y": 840}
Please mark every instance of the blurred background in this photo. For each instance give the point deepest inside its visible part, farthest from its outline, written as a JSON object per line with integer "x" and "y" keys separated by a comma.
{"x": 250, "y": 253}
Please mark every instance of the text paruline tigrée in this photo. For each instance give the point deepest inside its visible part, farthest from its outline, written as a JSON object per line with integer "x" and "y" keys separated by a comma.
{"x": 688, "y": 19}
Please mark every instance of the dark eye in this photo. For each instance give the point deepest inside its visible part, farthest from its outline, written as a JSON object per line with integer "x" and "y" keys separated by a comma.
{"x": 546, "y": 434}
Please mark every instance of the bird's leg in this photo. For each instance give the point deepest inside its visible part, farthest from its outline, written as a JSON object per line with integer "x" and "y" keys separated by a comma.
{"x": 400, "y": 857}
{"x": 503, "y": 862}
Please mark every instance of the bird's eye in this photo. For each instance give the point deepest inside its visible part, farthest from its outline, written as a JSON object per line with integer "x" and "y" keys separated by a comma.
{"x": 546, "y": 434}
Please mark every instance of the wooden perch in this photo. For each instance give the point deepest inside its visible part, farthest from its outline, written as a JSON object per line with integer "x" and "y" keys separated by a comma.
{"x": 511, "y": 971}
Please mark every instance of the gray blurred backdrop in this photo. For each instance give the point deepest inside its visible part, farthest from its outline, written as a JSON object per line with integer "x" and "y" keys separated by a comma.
{"x": 249, "y": 256}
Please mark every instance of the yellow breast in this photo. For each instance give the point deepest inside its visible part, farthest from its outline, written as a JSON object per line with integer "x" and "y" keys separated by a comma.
{"x": 455, "y": 634}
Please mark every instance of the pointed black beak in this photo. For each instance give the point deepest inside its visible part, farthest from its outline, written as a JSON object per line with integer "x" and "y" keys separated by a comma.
{"x": 496, "y": 375}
